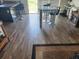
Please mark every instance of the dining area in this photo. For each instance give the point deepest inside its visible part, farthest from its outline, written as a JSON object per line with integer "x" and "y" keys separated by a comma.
{"x": 48, "y": 13}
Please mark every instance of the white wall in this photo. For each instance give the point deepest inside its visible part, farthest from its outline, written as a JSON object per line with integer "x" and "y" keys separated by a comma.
{"x": 55, "y": 2}
{"x": 62, "y": 3}
{"x": 76, "y": 3}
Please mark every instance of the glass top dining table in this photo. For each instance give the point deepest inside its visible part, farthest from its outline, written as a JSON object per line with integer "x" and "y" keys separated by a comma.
{"x": 49, "y": 10}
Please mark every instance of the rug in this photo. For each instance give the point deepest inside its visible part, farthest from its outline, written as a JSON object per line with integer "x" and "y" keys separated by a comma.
{"x": 56, "y": 51}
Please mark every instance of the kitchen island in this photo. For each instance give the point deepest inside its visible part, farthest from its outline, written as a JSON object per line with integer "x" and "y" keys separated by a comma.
{"x": 10, "y": 11}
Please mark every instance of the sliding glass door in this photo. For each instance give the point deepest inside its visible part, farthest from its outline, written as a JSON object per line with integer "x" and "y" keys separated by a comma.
{"x": 33, "y": 6}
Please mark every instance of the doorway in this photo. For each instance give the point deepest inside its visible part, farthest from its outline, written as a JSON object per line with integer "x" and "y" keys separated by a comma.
{"x": 33, "y": 6}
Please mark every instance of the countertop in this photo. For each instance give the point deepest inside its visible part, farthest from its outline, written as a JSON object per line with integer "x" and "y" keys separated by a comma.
{"x": 9, "y": 4}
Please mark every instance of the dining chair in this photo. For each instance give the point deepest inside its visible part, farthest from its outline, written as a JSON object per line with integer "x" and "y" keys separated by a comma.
{"x": 53, "y": 14}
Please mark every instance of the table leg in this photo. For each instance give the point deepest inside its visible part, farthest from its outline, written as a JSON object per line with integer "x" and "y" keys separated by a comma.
{"x": 40, "y": 18}
{"x": 52, "y": 20}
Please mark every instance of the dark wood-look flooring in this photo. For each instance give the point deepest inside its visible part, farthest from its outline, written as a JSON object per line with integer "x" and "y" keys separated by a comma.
{"x": 24, "y": 33}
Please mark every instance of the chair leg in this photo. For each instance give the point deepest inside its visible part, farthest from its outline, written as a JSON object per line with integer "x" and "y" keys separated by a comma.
{"x": 46, "y": 17}
{"x": 52, "y": 20}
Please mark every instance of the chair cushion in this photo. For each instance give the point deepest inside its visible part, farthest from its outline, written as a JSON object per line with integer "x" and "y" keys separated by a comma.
{"x": 46, "y": 5}
{"x": 55, "y": 12}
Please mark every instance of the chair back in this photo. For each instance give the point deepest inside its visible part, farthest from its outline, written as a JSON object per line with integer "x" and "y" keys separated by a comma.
{"x": 55, "y": 12}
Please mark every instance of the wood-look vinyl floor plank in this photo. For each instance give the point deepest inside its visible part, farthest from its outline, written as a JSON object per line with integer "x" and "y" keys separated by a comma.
{"x": 26, "y": 32}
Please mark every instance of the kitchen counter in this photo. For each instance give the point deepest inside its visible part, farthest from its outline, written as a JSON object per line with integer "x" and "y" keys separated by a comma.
{"x": 10, "y": 11}
{"x": 9, "y": 4}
